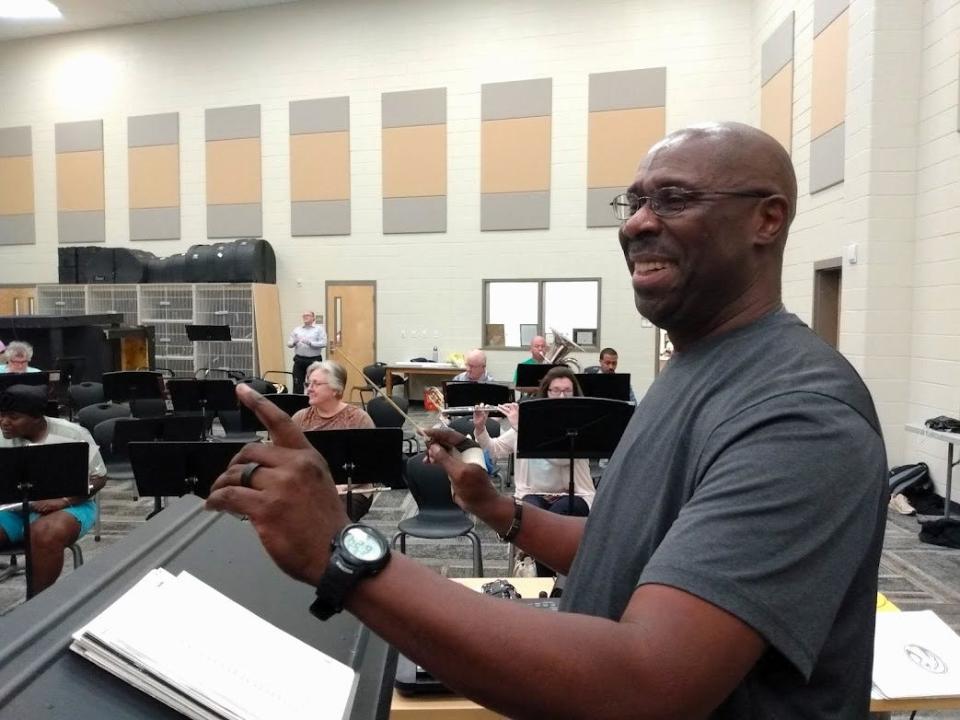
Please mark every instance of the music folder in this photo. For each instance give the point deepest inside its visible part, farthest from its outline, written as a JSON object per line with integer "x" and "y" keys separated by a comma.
{"x": 208, "y": 332}
{"x": 530, "y": 375}
{"x": 460, "y": 394}
{"x": 613, "y": 386}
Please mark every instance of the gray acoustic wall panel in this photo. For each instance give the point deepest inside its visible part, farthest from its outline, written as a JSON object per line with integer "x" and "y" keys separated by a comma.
{"x": 414, "y": 107}
{"x": 155, "y": 223}
{"x": 517, "y": 99}
{"x": 320, "y": 217}
{"x": 825, "y": 12}
{"x": 628, "y": 89}
{"x": 777, "y": 51}
{"x": 232, "y": 221}
{"x": 827, "y": 159}
{"x": 17, "y": 230}
{"x": 15, "y": 142}
{"x": 79, "y": 136}
{"x": 233, "y": 122}
{"x": 319, "y": 115}
{"x": 415, "y": 214}
{"x": 599, "y": 212}
{"x": 81, "y": 228}
{"x": 515, "y": 211}
{"x": 149, "y": 130}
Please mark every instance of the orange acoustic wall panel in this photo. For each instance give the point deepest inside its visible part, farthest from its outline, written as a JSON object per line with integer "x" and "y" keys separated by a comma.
{"x": 320, "y": 166}
{"x": 153, "y": 156}
{"x": 828, "y": 101}
{"x": 80, "y": 196}
{"x": 234, "y": 194}
{"x": 414, "y": 155}
{"x": 17, "y": 222}
{"x": 776, "y": 83}
{"x": 627, "y": 116}
{"x": 515, "y": 154}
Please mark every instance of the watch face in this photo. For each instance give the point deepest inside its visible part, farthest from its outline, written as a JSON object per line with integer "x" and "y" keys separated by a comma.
{"x": 362, "y": 544}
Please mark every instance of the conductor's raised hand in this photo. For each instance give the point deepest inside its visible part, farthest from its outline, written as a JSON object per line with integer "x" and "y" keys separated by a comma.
{"x": 290, "y": 497}
{"x": 471, "y": 485}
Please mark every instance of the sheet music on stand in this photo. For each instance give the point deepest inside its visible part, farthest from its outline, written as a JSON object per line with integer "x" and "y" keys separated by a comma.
{"x": 210, "y": 658}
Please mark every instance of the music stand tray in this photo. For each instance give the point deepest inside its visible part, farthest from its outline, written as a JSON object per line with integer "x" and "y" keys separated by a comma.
{"x": 166, "y": 428}
{"x": 126, "y": 385}
{"x": 164, "y": 469}
{"x": 460, "y": 394}
{"x": 360, "y": 456}
{"x": 613, "y": 386}
{"x": 530, "y": 375}
{"x": 197, "y": 333}
{"x": 188, "y": 394}
{"x": 42, "y": 472}
{"x": 549, "y": 425}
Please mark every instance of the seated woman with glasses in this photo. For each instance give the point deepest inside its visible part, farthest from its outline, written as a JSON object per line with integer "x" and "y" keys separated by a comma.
{"x": 325, "y": 384}
{"x": 325, "y": 381}
{"x": 19, "y": 355}
{"x": 541, "y": 482}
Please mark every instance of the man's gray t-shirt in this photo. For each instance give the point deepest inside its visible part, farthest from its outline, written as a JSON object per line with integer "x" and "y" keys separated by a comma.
{"x": 753, "y": 475}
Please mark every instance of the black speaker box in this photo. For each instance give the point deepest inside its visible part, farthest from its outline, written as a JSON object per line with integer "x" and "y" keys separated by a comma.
{"x": 197, "y": 265}
{"x": 253, "y": 261}
{"x": 94, "y": 265}
{"x": 67, "y": 265}
{"x": 131, "y": 266}
{"x": 240, "y": 261}
{"x": 166, "y": 269}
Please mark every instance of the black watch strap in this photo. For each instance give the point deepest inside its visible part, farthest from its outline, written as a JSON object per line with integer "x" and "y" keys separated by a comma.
{"x": 337, "y": 581}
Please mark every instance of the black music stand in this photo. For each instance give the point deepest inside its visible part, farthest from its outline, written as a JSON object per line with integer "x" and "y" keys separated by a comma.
{"x": 613, "y": 386}
{"x": 571, "y": 428}
{"x": 461, "y": 394}
{"x": 8, "y": 380}
{"x": 132, "y": 385}
{"x": 530, "y": 375}
{"x": 197, "y": 333}
{"x": 192, "y": 395}
{"x": 288, "y": 402}
{"x": 42, "y": 472}
{"x": 367, "y": 455}
{"x": 164, "y": 469}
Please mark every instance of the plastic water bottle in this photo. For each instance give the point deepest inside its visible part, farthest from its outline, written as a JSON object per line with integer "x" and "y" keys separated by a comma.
{"x": 436, "y": 354}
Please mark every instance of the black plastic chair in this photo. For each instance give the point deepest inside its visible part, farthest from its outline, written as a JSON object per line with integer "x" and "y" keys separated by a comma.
{"x": 15, "y": 551}
{"x": 384, "y": 415}
{"x": 91, "y": 415}
{"x": 438, "y": 516}
{"x": 83, "y": 394}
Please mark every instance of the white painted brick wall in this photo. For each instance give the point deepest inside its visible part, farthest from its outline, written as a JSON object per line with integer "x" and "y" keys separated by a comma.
{"x": 274, "y": 55}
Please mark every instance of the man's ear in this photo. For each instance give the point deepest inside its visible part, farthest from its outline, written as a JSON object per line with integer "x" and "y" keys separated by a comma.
{"x": 772, "y": 218}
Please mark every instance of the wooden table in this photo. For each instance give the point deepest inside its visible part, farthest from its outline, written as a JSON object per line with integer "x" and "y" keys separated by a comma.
{"x": 452, "y": 707}
{"x": 444, "y": 370}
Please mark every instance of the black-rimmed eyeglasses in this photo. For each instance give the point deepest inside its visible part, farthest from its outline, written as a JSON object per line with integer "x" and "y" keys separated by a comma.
{"x": 669, "y": 202}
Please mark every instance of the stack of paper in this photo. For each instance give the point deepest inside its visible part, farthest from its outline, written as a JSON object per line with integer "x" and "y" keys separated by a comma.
{"x": 209, "y": 658}
{"x": 915, "y": 654}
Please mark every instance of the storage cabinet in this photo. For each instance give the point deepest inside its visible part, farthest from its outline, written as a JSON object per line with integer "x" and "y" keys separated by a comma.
{"x": 252, "y": 311}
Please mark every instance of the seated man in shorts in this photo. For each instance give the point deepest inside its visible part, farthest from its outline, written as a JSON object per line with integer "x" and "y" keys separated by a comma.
{"x": 54, "y": 524}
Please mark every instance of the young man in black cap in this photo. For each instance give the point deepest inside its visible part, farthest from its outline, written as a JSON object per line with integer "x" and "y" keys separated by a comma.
{"x": 54, "y": 524}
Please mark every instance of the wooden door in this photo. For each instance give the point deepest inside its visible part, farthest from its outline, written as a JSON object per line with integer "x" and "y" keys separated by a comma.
{"x": 351, "y": 323}
{"x": 827, "y": 283}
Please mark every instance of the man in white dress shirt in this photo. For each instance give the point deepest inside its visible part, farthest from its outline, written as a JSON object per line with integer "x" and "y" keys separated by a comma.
{"x": 307, "y": 341}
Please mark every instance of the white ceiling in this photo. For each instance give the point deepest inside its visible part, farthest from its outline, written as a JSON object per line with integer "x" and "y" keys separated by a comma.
{"x": 90, "y": 14}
